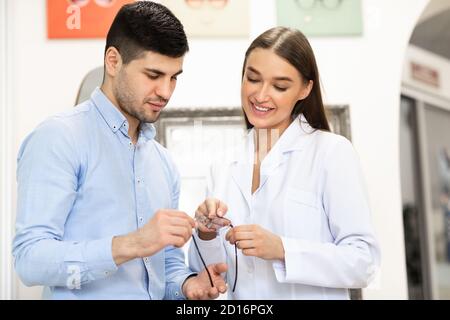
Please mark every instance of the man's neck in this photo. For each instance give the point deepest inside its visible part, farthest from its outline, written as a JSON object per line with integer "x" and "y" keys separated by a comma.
{"x": 133, "y": 123}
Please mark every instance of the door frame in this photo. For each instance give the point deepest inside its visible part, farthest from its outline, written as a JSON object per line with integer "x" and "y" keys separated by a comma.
{"x": 7, "y": 278}
{"x": 422, "y": 99}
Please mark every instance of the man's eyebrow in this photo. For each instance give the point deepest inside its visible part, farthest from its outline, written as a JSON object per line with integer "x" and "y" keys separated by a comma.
{"x": 161, "y": 73}
{"x": 276, "y": 78}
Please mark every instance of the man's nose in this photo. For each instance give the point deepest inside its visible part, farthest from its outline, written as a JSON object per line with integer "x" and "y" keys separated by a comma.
{"x": 165, "y": 89}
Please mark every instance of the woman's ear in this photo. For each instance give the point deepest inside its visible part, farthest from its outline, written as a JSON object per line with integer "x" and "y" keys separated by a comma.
{"x": 113, "y": 62}
{"x": 306, "y": 90}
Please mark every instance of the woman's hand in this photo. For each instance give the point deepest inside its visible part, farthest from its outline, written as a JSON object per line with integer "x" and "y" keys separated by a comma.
{"x": 256, "y": 241}
{"x": 210, "y": 218}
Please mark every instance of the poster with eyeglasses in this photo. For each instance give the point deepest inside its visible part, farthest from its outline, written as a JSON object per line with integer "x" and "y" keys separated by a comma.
{"x": 322, "y": 17}
{"x": 212, "y": 18}
{"x": 81, "y": 18}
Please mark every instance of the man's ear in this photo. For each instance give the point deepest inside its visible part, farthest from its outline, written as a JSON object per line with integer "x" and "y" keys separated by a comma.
{"x": 113, "y": 62}
{"x": 304, "y": 93}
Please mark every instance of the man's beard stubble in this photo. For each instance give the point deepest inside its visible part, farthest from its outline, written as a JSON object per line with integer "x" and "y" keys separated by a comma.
{"x": 128, "y": 104}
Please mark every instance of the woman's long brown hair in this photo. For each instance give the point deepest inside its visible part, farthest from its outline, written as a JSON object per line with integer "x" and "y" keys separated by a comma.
{"x": 292, "y": 45}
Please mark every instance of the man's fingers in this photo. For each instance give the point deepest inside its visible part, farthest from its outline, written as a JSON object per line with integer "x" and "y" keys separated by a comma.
{"x": 176, "y": 241}
{"x": 213, "y": 293}
{"x": 181, "y": 215}
{"x": 222, "y": 288}
{"x": 179, "y": 222}
{"x": 180, "y": 231}
{"x": 201, "y": 294}
{"x": 191, "y": 295}
{"x": 218, "y": 268}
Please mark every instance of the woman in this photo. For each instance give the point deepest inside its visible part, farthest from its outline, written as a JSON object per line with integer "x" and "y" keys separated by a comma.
{"x": 294, "y": 194}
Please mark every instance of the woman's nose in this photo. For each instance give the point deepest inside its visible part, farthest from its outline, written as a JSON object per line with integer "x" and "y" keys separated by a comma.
{"x": 262, "y": 95}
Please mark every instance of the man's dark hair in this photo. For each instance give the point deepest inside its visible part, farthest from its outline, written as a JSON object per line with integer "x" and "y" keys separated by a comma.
{"x": 146, "y": 26}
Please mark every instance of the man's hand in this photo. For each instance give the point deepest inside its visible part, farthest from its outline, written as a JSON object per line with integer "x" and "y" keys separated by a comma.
{"x": 210, "y": 217}
{"x": 167, "y": 227}
{"x": 256, "y": 241}
{"x": 199, "y": 287}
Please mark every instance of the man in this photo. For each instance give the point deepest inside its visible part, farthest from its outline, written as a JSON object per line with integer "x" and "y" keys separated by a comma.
{"x": 92, "y": 182}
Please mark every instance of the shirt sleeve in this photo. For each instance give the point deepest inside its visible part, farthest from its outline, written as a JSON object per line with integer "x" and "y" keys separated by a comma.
{"x": 350, "y": 261}
{"x": 47, "y": 179}
{"x": 176, "y": 269}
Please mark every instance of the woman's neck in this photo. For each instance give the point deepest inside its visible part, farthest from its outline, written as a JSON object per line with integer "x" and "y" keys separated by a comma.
{"x": 264, "y": 140}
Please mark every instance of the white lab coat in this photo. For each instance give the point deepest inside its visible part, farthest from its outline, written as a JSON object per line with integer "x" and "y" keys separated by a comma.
{"x": 313, "y": 196}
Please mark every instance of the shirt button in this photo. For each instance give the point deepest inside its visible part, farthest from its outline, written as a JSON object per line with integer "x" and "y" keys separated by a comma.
{"x": 141, "y": 219}
{"x": 177, "y": 294}
{"x": 146, "y": 260}
{"x": 106, "y": 273}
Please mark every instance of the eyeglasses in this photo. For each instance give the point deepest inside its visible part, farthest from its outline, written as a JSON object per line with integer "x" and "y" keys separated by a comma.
{"x": 309, "y": 4}
{"x": 207, "y": 222}
{"x": 196, "y": 4}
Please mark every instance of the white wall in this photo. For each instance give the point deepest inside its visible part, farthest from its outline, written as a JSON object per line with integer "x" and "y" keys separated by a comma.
{"x": 364, "y": 72}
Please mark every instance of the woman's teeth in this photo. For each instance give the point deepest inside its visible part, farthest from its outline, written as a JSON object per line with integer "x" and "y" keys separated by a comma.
{"x": 262, "y": 109}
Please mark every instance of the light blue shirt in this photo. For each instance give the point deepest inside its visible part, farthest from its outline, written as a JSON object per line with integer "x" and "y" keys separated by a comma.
{"x": 82, "y": 181}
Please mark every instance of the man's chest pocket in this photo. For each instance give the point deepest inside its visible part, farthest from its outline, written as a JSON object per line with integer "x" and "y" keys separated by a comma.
{"x": 301, "y": 214}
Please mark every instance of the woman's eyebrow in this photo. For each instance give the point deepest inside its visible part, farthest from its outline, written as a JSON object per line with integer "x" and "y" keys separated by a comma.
{"x": 275, "y": 78}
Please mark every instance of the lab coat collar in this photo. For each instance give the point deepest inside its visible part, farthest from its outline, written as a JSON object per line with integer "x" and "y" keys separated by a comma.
{"x": 292, "y": 139}
{"x": 295, "y": 136}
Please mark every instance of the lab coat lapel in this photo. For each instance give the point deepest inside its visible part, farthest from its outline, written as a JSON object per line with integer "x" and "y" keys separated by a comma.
{"x": 242, "y": 168}
{"x": 293, "y": 139}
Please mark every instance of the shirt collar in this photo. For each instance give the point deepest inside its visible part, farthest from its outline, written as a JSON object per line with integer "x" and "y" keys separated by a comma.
{"x": 148, "y": 130}
{"x": 114, "y": 118}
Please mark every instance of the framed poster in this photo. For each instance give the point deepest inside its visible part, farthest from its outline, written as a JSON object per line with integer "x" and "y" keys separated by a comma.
{"x": 68, "y": 19}
{"x": 212, "y": 18}
{"x": 322, "y": 17}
